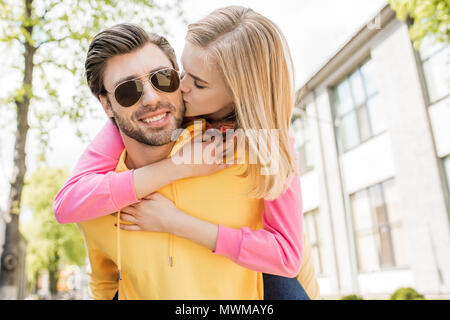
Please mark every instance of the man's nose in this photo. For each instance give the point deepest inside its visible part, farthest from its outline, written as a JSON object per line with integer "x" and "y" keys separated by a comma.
{"x": 150, "y": 96}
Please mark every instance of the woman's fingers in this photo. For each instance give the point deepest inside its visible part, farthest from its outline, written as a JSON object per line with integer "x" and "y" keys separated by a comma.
{"x": 130, "y": 227}
{"x": 130, "y": 210}
{"x": 128, "y": 218}
{"x": 152, "y": 196}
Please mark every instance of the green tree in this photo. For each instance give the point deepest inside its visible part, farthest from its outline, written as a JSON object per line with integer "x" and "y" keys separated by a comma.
{"x": 352, "y": 297}
{"x": 428, "y": 16}
{"x": 49, "y": 244}
{"x": 407, "y": 294}
{"x": 50, "y": 40}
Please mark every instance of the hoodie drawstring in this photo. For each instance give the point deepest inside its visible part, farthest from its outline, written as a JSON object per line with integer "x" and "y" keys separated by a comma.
{"x": 119, "y": 264}
{"x": 185, "y": 135}
{"x": 171, "y": 236}
{"x": 170, "y": 249}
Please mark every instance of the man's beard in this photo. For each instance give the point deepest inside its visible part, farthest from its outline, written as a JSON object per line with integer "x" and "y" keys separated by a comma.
{"x": 151, "y": 136}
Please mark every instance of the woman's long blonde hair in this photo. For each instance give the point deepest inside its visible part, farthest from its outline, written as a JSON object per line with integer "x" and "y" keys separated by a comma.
{"x": 252, "y": 54}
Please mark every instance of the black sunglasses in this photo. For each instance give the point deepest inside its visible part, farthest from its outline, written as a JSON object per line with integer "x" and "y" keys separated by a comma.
{"x": 129, "y": 92}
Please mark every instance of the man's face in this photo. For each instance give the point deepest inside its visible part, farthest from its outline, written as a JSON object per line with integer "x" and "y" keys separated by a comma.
{"x": 138, "y": 121}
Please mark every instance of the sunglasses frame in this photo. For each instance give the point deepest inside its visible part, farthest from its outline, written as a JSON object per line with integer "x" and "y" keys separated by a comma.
{"x": 147, "y": 77}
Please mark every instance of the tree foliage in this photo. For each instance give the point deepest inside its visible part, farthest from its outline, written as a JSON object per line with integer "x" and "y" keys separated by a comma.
{"x": 352, "y": 297}
{"x": 47, "y": 41}
{"x": 407, "y": 294}
{"x": 49, "y": 244}
{"x": 58, "y": 33}
{"x": 429, "y": 17}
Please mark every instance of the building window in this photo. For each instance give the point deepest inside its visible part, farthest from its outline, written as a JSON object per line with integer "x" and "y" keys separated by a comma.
{"x": 312, "y": 232}
{"x": 447, "y": 169}
{"x": 378, "y": 228}
{"x": 358, "y": 109}
{"x": 435, "y": 59}
{"x": 303, "y": 143}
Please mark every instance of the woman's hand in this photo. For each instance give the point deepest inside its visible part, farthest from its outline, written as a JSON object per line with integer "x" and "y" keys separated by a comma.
{"x": 154, "y": 213}
{"x": 210, "y": 158}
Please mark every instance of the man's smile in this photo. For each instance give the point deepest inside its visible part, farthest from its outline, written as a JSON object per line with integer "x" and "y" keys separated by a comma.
{"x": 156, "y": 119}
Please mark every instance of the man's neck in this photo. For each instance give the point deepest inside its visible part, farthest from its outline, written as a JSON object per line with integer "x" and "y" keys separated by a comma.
{"x": 140, "y": 155}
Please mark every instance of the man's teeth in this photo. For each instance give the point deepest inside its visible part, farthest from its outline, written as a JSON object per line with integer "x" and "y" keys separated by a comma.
{"x": 156, "y": 118}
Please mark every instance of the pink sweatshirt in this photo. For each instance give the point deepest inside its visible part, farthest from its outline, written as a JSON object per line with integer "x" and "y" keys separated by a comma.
{"x": 94, "y": 190}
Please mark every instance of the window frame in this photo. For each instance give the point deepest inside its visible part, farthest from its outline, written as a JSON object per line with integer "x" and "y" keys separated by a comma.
{"x": 446, "y": 171}
{"x": 422, "y": 61}
{"x": 355, "y": 109}
{"x": 301, "y": 150}
{"x": 314, "y": 213}
{"x": 375, "y": 230}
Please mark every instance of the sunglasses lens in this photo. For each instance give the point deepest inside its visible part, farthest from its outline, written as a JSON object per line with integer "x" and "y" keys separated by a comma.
{"x": 128, "y": 93}
{"x": 166, "y": 80}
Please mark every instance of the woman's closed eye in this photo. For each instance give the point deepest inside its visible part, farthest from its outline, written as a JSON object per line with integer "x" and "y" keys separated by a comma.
{"x": 197, "y": 85}
{"x": 194, "y": 80}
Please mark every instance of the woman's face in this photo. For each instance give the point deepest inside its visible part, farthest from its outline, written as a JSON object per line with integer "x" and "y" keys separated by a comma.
{"x": 203, "y": 88}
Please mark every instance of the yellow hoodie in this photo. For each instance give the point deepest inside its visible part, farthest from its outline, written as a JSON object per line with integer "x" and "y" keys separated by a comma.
{"x": 163, "y": 266}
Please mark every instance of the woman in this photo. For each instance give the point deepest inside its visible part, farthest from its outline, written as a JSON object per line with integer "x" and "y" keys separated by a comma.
{"x": 237, "y": 74}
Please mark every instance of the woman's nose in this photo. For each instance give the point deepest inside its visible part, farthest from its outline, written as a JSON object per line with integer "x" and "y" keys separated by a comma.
{"x": 184, "y": 85}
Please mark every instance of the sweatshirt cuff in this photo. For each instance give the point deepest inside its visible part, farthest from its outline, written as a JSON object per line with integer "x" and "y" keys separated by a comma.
{"x": 122, "y": 189}
{"x": 228, "y": 242}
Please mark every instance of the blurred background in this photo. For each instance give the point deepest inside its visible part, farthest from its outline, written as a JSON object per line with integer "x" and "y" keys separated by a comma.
{"x": 371, "y": 122}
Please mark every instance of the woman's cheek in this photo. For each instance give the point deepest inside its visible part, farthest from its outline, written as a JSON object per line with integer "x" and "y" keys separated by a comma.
{"x": 190, "y": 110}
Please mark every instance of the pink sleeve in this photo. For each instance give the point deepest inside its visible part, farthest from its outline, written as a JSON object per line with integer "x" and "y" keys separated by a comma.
{"x": 278, "y": 247}
{"x": 94, "y": 189}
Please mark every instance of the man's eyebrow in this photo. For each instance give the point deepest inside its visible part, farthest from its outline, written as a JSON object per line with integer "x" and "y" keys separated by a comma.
{"x": 134, "y": 76}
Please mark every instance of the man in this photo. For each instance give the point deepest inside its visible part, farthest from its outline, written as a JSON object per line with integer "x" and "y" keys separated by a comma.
{"x": 152, "y": 265}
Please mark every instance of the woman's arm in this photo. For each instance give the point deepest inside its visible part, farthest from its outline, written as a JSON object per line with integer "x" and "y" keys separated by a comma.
{"x": 94, "y": 189}
{"x": 275, "y": 249}
{"x": 156, "y": 213}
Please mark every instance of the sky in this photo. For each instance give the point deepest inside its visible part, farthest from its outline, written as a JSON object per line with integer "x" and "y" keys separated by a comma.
{"x": 314, "y": 30}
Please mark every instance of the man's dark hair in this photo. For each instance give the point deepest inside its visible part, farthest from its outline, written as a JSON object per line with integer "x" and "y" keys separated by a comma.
{"x": 119, "y": 39}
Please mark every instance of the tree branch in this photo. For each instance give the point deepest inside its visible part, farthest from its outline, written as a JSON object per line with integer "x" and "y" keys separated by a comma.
{"x": 50, "y": 40}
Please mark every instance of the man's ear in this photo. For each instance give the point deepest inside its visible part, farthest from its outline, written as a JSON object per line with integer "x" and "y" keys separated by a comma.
{"x": 106, "y": 105}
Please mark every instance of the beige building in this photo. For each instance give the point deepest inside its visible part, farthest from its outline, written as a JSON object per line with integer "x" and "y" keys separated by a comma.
{"x": 372, "y": 130}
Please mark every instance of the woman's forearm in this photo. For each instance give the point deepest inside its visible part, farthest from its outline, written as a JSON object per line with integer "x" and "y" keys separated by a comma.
{"x": 93, "y": 188}
{"x": 150, "y": 178}
{"x": 201, "y": 232}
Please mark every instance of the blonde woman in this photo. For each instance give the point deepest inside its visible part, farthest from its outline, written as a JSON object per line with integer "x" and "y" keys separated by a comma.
{"x": 237, "y": 74}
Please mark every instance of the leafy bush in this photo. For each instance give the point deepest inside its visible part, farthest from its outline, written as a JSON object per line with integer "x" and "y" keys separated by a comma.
{"x": 407, "y": 294}
{"x": 352, "y": 297}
